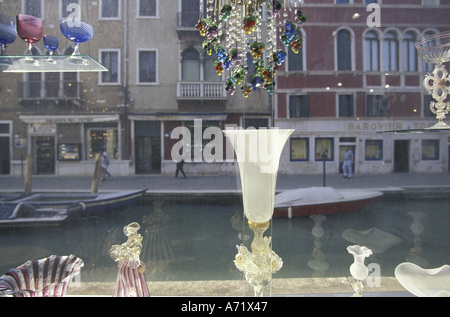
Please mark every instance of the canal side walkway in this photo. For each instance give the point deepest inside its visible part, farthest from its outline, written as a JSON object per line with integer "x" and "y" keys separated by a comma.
{"x": 224, "y": 183}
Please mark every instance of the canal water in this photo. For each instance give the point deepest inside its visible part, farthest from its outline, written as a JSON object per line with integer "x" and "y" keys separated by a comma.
{"x": 196, "y": 239}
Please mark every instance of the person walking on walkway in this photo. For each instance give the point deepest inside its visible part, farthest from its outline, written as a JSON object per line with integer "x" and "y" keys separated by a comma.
{"x": 105, "y": 164}
{"x": 180, "y": 165}
{"x": 348, "y": 162}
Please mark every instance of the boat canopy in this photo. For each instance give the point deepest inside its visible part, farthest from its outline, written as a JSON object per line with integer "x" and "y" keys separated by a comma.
{"x": 297, "y": 196}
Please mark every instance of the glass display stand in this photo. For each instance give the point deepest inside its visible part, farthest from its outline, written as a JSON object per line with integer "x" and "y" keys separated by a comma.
{"x": 54, "y": 63}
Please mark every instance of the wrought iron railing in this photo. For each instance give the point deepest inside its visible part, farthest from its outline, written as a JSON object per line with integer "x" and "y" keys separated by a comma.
{"x": 201, "y": 90}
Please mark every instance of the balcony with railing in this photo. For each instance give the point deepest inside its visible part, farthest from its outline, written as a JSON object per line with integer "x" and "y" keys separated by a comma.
{"x": 201, "y": 90}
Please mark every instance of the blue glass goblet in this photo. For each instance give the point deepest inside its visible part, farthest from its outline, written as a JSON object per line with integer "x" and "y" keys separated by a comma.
{"x": 77, "y": 32}
{"x": 8, "y": 31}
{"x": 51, "y": 44}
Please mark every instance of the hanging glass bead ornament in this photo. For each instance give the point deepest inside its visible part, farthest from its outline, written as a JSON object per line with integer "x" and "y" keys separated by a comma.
{"x": 236, "y": 32}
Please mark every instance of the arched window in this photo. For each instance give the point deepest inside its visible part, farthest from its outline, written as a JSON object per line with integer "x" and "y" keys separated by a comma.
{"x": 190, "y": 65}
{"x": 344, "y": 50}
{"x": 371, "y": 51}
{"x": 409, "y": 52}
{"x": 390, "y": 52}
{"x": 428, "y": 67}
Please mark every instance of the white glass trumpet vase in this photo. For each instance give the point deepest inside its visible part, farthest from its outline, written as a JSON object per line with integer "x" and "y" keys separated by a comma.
{"x": 258, "y": 155}
{"x": 358, "y": 269}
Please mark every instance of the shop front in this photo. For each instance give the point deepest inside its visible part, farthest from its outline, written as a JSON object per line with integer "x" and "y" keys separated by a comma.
{"x": 67, "y": 145}
{"x": 316, "y": 142}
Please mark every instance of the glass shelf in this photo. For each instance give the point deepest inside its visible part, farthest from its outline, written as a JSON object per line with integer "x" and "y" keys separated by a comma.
{"x": 47, "y": 63}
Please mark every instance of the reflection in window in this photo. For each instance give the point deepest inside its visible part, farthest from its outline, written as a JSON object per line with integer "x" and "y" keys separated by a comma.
{"x": 299, "y": 106}
{"x": 110, "y": 59}
{"x": 190, "y": 12}
{"x": 256, "y": 123}
{"x": 109, "y": 9}
{"x": 377, "y": 106}
{"x": 427, "y": 113}
{"x": 374, "y": 150}
{"x": 300, "y": 149}
{"x": 190, "y": 65}
{"x": 409, "y": 52}
{"x": 390, "y": 52}
{"x": 295, "y": 61}
{"x": 33, "y": 7}
{"x": 147, "y": 66}
{"x": 344, "y": 50}
{"x": 346, "y": 106}
{"x": 428, "y": 67}
{"x": 371, "y": 52}
{"x": 209, "y": 72}
{"x": 198, "y": 144}
{"x": 324, "y": 149}
{"x": 430, "y": 149}
{"x": 102, "y": 139}
{"x": 147, "y": 8}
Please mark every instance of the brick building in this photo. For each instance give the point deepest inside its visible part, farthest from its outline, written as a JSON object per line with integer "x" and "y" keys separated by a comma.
{"x": 358, "y": 74}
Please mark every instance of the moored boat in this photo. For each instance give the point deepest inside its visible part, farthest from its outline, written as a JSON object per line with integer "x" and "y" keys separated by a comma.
{"x": 21, "y": 215}
{"x": 89, "y": 202}
{"x": 321, "y": 201}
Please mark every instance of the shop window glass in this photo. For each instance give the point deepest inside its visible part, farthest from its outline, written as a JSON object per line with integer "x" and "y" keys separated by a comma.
{"x": 430, "y": 149}
{"x": 324, "y": 149}
{"x": 299, "y": 149}
{"x": 374, "y": 150}
{"x": 102, "y": 138}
